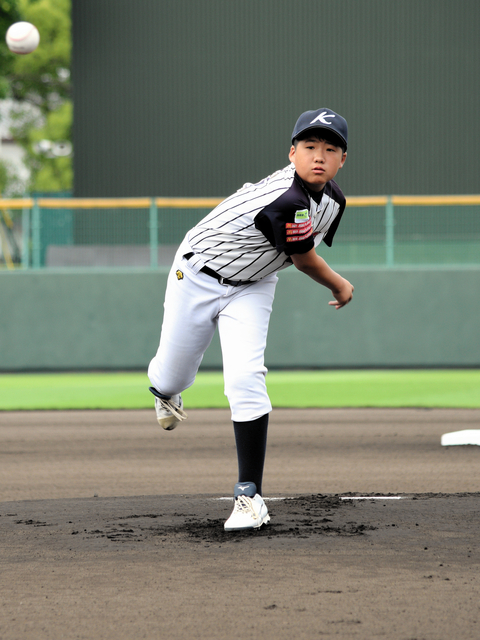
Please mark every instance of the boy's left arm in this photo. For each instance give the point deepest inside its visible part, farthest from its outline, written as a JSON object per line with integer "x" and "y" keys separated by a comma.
{"x": 316, "y": 268}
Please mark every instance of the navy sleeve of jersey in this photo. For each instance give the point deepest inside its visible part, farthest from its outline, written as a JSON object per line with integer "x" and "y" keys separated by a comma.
{"x": 285, "y": 222}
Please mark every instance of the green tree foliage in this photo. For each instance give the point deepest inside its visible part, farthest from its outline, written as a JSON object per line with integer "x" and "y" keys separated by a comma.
{"x": 42, "y": 77}
{"x": 8, "y": 15}
{"x": 39, "y": 83}
{"x": 53, "y": 171}
{"x": 10, "y": 183}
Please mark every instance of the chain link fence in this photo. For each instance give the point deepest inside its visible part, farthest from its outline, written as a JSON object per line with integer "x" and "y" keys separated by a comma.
{"x": 43, "y": 233}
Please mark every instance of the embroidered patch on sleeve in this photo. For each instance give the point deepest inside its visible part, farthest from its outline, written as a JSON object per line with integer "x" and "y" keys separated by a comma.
{"x": 301, "y": 216}
{"x": 298, "y": 230}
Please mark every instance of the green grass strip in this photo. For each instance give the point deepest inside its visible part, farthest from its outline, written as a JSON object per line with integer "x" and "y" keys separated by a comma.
{"x": 123, "y": 390}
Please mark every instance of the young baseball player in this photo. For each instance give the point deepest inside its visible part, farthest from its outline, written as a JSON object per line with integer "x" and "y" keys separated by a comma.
{"x": 224, "y": 275}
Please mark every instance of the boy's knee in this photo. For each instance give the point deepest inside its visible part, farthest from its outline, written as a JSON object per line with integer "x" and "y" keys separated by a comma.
{"x": 245, "y": 380}
{"x": 247, "y": 395}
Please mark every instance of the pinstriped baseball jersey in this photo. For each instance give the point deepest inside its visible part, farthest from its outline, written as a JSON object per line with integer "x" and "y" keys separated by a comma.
{"x": 252, "y": 233}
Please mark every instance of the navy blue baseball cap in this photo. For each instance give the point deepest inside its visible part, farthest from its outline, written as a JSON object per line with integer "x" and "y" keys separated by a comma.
{"x": 323, "y": 118}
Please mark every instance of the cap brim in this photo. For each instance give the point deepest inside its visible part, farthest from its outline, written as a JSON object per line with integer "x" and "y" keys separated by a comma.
{"x": 332, "y": 131}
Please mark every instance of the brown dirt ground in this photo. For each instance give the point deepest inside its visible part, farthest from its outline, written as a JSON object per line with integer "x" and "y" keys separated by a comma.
{"x": 112, "y": 529}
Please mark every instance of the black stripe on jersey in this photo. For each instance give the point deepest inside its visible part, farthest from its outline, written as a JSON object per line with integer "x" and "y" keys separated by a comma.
{"x": 239, "y": 252}
{"x": 254, "y": 275}
{"x": 326, "y": 223}
{"x": 212, "y": 234}
{"x": 214, "y": 231}
{"x": 220, "y": 212}
{"x": 244, "y": 237}
{"x": 280, "y": 176}
{"x": 229, "y": 203}
{"x": 236, "y": 258}
{"x": 336, "y": 194}
{"x": 259, "y": 257}
{"x": 266, "y": 266}
{"x": 326, "y": 216}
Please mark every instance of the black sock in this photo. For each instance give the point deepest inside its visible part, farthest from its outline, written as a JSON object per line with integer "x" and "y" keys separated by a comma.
{"x": 251, "y": 440}
{"x": 158, "y": 394}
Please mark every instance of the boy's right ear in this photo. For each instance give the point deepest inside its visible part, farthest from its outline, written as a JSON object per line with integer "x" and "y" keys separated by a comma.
{"x": 291, "y": 155}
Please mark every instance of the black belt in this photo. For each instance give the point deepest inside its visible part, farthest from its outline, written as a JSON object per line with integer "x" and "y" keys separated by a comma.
{"x": 221, "y": 279}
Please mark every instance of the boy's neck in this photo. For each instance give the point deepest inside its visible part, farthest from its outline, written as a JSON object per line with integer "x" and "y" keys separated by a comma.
{"x": 315, "y": 195}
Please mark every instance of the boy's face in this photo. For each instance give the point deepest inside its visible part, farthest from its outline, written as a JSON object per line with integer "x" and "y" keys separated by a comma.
{"x": 317, "y": 161}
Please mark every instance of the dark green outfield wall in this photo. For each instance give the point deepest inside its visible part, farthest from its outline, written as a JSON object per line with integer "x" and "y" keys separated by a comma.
{"x": 191, "y": 98}
{"x": 102, "y": 320}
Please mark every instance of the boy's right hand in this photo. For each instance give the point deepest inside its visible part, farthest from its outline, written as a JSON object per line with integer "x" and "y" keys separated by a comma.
{"x": 316, "y": 268}
{"x": 342, "y": 295}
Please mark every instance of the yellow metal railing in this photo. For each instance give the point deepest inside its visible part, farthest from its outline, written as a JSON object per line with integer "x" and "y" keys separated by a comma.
{"x": 31, "y": 244}
{"x": 108, "y": 203}
{"x": 195, "y": 203}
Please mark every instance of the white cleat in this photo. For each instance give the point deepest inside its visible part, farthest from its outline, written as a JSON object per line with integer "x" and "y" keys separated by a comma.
{"x": 169, "y": 412}
{"x": 249, "y": 511}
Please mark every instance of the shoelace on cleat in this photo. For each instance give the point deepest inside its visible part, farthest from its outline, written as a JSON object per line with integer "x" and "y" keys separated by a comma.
{"x": 244, "y": 504}
{"x": 173, "y": 408}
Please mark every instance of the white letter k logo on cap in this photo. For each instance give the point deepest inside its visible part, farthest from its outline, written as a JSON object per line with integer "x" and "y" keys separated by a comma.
{"x": 322, "y": 118}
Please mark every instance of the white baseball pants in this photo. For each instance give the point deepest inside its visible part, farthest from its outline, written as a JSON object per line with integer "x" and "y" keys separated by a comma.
{"x": 195, "y": 304}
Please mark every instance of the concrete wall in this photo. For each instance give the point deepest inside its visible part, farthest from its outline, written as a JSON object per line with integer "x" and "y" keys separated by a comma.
{"x": 111, "y": 320}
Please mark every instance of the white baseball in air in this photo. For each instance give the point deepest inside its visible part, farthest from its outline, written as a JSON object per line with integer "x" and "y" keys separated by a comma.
{"x": 22, "y": 37}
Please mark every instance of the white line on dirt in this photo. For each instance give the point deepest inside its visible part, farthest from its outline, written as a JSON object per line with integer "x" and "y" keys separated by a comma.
{"x": 372, "y": 498}
{"x": 265, "y": 499}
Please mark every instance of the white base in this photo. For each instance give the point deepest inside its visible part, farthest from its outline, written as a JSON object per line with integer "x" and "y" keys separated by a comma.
{"x": 468, "y": 436}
